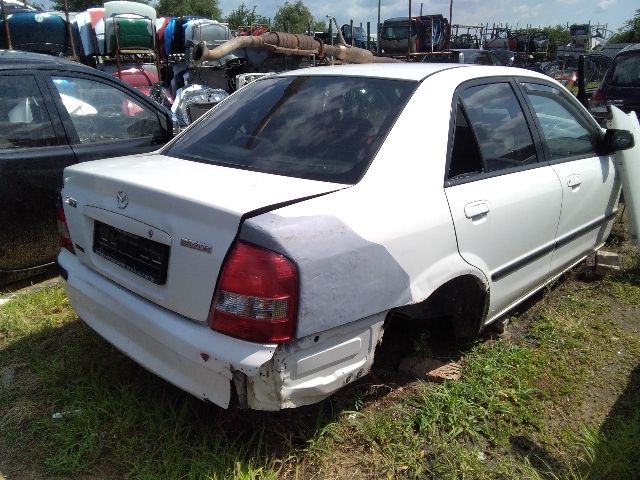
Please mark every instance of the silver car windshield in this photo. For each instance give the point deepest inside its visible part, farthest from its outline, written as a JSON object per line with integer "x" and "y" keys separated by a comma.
{"x": 314, "y": 127}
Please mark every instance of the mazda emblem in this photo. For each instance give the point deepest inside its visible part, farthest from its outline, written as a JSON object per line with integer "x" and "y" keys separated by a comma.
{"x": 122, "y": 199}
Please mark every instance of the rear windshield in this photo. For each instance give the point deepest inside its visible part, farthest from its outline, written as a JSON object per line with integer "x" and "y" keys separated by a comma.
{"x": 627, "y": 71}
{"x": 320, "y": 128}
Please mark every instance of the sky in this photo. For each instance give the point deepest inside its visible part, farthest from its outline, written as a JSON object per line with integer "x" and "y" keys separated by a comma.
{"x": 517, "y": 13}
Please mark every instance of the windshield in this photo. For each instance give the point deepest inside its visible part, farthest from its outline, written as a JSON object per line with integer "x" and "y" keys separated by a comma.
{"x": 395, "y": 31}
{"x": 627, "y": 71}
{"x": 320, "y": 128}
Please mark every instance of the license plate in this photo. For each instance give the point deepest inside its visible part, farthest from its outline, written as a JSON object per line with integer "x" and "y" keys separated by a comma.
{"x": 139, "y": 255}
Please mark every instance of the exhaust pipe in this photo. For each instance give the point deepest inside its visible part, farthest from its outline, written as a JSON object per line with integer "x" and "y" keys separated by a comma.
{"x": 355, "y": 55}
{"x": 289, "y": 44}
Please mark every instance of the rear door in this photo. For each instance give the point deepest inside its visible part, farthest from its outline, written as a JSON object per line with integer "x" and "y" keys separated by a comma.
{"x": 33, "y": 153}
{"x": 590, "y": 185}
{"x": 505, "y": 204}
{"x": 104, "y": 119}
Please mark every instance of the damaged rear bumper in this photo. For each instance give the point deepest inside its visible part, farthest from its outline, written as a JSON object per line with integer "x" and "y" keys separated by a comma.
{"x": 206, "y": 363}
{"x": 312, "y": 368}
{"x": 185, "y": 353}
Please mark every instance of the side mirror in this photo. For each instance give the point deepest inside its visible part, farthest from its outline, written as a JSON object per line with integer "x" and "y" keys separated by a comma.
{"x": 616, "y": 140}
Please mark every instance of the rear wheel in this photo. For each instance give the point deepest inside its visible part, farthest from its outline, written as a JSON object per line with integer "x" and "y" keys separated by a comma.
{"x": 441, "y": 326}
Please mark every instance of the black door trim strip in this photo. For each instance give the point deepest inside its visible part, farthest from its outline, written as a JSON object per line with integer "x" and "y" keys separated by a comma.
{"x": 560, "y": 242}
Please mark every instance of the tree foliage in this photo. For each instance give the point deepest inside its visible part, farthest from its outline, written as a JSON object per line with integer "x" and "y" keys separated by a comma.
{"x": 243, "y": 16}
{"x": 630, "y": 31}
{"x": 294, "y": 18}
{"x": 201, "y": 8}
{"x": 319, "y": 26}
{"x": 81, "y": 5}
{"x": 558, "y": 37}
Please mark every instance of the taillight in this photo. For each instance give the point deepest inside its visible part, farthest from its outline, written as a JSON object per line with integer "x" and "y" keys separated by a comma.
{"x": 597, "y": 99}
{"x": 63, "y": 229}
{"x": 257, "y": 296}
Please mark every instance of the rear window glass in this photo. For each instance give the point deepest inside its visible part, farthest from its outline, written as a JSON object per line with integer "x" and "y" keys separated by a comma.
{"x": 320, "y": 128}
{"x": 627, "y": 71}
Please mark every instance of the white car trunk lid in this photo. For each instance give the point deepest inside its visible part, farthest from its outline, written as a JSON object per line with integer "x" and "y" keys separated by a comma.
{"x": 161, "y": 226}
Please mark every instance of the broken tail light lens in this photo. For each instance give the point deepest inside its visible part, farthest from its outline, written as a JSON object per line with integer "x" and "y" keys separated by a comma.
{"x": 257, "y": 296}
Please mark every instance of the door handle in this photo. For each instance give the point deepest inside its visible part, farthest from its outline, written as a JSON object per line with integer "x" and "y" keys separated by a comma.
{"x": 476, "y": 209}
{"x": 574, "y": 181}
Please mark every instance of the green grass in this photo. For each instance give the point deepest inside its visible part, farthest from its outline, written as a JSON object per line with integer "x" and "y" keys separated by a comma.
{"x": 561, "y": 401}
{"x": 443, "y": 429}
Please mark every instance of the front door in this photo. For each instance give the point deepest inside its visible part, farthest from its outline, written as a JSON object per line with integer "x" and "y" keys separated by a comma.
{"x": 590, "y": 185}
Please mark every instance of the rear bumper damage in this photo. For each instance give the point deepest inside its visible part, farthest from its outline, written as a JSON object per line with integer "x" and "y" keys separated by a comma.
{"x": 206, "y": 363}
{"x": 312, "y": 368}
{"x": 188, "y": 354}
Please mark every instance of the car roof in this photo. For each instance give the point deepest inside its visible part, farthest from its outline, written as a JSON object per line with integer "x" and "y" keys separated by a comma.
{"x": 21, "y": 60}
{"x": 399, "y": 71}
{"x": 13, "y": 58}
{"x": 415, "y": 71}
{"x": 634, "y": 48}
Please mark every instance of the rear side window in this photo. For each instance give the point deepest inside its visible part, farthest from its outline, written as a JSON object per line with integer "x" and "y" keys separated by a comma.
{"x": 498, "y": 124}
{"x": 101, "y": 112}
{"x": 465, "y": 156}
{"x": 24, "y": 119}
{"x": 321, "y": 128}
{"x": 626, "y": 72}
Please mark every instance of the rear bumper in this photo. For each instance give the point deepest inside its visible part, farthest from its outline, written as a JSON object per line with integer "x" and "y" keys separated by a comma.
{"x": 185, "y": 353}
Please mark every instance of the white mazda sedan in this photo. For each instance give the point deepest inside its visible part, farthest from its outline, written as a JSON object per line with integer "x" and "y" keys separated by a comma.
{"x": 261, "y": 254}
